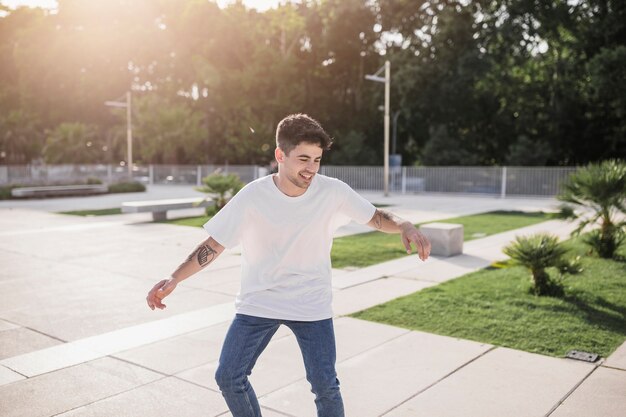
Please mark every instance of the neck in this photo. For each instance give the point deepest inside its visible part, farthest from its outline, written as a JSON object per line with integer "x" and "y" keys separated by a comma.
{"x": 286, "y": 187}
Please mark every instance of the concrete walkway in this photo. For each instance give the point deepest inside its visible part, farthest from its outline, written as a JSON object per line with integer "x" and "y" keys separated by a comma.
{"x": 76, "y": 338}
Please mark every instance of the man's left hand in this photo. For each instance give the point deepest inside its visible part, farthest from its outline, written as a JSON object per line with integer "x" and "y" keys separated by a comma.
{"x": 412, "y": 236}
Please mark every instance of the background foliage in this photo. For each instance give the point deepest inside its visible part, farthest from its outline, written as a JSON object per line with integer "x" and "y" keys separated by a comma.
{"x": 520, "y": 82}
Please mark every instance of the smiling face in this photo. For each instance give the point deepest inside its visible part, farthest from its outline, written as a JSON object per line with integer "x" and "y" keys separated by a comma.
{"x": 297, "y": 168}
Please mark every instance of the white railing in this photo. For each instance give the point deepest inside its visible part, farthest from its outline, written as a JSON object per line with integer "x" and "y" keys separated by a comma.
{"x": 500, "y": 181}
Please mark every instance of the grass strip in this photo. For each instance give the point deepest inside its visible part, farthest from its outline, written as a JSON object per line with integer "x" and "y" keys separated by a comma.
{"x": 494, "y": 306}
{"x": 196, "y": 221}
{"x": 102, "y": 212}
{"x": 374, "y": 247}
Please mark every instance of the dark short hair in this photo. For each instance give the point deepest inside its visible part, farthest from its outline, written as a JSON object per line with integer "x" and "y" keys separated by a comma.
{"x": 297, "y": 128}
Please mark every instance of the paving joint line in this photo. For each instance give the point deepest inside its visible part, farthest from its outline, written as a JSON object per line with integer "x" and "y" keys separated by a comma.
{"x": 278, "y": 411}
{"x": 439, "y": 380}
{"x": 131, "y": 363}
{"x": 613, "y": 367}
{"x": 58, "y": 339}
{"x": 418, "y": 279}
{"x": 194, "y": 383}
{"x": 571, "y": 391}
{"x": 362, "y": 283}
{"x": 17, "y": 372}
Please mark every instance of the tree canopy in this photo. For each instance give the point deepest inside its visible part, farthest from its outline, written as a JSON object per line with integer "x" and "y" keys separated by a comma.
{"x": 520, "y": 82}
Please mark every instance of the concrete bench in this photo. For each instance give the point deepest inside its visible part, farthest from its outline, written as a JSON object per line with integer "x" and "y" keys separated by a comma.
{"x": 159, "y": 208}
{"x": 446, "y": 239}
{"x": 59, "y": 190}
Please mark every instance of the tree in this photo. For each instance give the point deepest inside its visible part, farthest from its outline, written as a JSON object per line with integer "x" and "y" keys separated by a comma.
{"x": 21, "y": 140}
{"x": 168, "y": 131}
{"x": 525, "y": 152}
{"x": 607, "y": 95}
{"x": 74, "y": 142}
{"x": 489, "y": 72}
{"x": 442, "y": 149}
{"x": 350, "y": 149}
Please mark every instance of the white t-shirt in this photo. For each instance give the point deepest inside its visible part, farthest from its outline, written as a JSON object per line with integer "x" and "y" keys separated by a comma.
{"x": 286, "y": 242}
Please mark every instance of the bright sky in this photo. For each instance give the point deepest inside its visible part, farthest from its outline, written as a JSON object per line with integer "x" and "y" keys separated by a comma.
{"x": 51, "y": 4}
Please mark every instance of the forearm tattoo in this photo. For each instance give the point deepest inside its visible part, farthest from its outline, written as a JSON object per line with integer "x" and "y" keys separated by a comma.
{"x": 204, "y": 254}
{"x": 379, "y": 216}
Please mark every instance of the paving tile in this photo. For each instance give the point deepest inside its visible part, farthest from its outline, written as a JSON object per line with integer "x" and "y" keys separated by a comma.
{"x": 8, "y": 376}
{"x": 281, "y": 363}
{"x": 225, "y": 281}
{"x": 602, "y": 394}
{"x": 278, "y": 365}
{"x": 150, "y": 260}
{"x": 376, "y": 292}
{"x": 491, "y": 246}
{"x": 439, "y": 269}
{"x": 77, "y": 305}
{"x": 381, "y": 378}
{"x": 5, "y": 325}
{"x": 504, "y": 382}
{"x": 214, "y": 275}
{"x": 17, "y": 265}
{"x": 354, "y": 336}
{"x": 83, "y": 350}
{"x": 374, "y": 272}
{"x": 56, "y": 392}
{"x": 163, "y": 398}
{"x": 20, "y": 340}
{"x": 177, "y": 354}
{"x": 618, "y": 358}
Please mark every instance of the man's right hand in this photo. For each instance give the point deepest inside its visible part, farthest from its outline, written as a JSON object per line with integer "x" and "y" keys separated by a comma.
{"x": 161, "y": 290}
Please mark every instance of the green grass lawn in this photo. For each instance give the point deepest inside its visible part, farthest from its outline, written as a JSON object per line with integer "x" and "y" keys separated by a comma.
{"x": 374, "y": 247}
{"x": 494, "y": 306}
{"x": 103, "y": 212}
{"x": 197, "y": 221}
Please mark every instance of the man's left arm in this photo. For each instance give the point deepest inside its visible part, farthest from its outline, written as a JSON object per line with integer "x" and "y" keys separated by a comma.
{"x": 388, "y": 222}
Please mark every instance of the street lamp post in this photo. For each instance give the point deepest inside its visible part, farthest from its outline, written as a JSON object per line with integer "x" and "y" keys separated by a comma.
{"x": 395, "y": 131}
{"x": 129, "y": 129}
{"x": 387, "y": 80}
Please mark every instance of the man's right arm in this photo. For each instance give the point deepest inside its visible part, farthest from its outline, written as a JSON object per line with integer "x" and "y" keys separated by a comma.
{"x": 200, "y": 258}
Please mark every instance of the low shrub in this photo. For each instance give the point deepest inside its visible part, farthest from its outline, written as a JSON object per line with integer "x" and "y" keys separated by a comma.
{"x": 93, "y": 181}
{"x": 127, "y": 187}
{"x": 537, "y": 253}
{"x": 5, "y": 192}
{"x": 600, "y": 188}
{"x": 221, "y": 188}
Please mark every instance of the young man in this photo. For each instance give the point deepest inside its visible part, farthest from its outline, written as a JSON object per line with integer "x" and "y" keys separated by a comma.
{"x": 285, "y": 224}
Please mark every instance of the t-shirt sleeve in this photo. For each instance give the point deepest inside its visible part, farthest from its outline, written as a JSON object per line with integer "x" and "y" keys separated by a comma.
{"x": 226, "y": 226}
{"x": 354, "y": 206}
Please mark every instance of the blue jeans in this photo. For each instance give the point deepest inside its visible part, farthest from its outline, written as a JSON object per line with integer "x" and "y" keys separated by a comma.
{"x": 246, "y": 339}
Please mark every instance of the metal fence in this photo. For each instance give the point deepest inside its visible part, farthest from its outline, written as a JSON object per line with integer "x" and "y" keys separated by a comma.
{"x": 500, "y": 181}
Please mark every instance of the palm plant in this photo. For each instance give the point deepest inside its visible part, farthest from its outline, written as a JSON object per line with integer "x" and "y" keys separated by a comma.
{"x": 537, "y": 252}
{"x": 601, "y": 189}
{"x": 221, "y": 188}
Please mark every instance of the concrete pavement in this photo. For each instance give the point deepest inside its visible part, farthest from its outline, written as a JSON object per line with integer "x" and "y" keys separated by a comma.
{"x": 76, "y": 338}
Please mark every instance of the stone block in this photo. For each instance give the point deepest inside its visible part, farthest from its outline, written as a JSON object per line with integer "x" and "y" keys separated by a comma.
{"x": 446, "y": 239}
